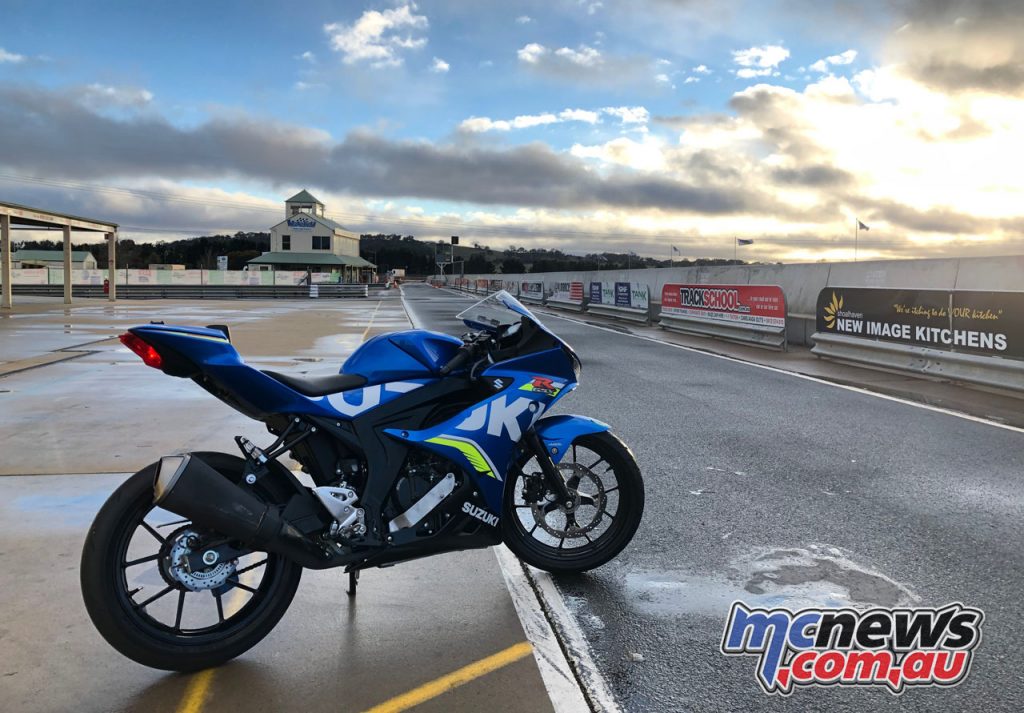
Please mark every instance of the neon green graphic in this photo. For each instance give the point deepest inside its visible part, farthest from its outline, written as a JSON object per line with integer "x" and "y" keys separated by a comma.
{"x": 470, "y": 450}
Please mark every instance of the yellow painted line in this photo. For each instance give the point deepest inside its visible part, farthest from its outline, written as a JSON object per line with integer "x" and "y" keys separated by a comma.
{"x": 196, "y": 692}
{"x": 372, "y": 317}
{"x": 454, "y": 679}
{"x": 198, "y": 688}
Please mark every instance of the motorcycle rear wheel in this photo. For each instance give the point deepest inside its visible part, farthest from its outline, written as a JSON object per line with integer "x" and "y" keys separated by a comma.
{"x": 608, "y": 491}
{"x": 128, "y": 616}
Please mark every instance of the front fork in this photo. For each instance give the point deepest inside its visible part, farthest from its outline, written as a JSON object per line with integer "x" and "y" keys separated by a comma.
{"x": 548, "y": 468}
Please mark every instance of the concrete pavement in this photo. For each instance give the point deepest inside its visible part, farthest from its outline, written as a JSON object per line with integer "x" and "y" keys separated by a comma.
{"x": 83, "y": 425}
{"x": 783, "y": 491}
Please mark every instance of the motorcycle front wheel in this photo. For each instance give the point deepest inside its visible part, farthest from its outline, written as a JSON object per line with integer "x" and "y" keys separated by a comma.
{"x": 157, "y": 612}
{"x": 608, "y": 503}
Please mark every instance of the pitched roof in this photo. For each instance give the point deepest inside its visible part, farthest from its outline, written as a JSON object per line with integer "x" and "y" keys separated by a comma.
{"x": 290, "y": 258}
{"x": 318, "y": 218}
{"x": 303, "y": 196}
{"x": 49, "y": 255}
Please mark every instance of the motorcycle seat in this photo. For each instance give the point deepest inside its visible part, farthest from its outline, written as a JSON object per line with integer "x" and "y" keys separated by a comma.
{"x": 318, "y": 385}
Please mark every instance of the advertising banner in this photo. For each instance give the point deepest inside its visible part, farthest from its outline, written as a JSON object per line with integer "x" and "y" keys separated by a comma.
{"x": 620, "y": 294}
{"x": 533, "y": 290}
{"x": 760, "y": 305}
{"x": 976, "y": 322}
{"x": 567, "y": 292}
{"x": 481, "y": 286}
{"x": 494, "y": 286}
{"x": 511, "y": 287}
{"x": 30, "y": 276}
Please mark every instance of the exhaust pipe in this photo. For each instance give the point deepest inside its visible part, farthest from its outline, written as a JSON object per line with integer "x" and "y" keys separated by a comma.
{"x": 187, "y": 486}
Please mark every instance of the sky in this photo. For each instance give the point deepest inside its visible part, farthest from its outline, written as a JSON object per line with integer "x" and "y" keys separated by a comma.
{"x": 581, "y": 125}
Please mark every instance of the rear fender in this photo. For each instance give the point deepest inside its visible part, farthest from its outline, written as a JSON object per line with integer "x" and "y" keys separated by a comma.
{"x": 558, "y": 432}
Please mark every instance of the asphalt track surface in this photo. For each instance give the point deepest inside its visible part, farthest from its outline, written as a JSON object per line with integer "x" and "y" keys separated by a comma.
{"x": 781, "y": 491}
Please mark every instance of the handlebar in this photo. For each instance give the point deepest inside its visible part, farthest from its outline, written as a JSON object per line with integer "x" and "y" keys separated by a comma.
{"x": 460, "y": 358}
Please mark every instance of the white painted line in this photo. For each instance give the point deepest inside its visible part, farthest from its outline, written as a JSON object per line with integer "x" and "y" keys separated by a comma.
{"x": 806, "y": 377}
{"x": 563, "y": 689}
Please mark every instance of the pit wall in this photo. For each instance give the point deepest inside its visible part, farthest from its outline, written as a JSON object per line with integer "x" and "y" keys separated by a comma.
{"x": 801, "y": 283}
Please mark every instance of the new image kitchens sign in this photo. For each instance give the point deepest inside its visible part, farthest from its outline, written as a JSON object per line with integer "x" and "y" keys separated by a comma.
{"x": 987, "y": 323}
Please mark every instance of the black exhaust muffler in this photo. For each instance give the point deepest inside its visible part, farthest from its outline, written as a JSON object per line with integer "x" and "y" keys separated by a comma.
{"x": 189, "y": 487}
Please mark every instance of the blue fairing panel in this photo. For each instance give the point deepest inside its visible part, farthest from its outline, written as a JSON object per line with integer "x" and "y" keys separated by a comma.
{"x": 558, "y": 432}
{"x": 410, "y": 354}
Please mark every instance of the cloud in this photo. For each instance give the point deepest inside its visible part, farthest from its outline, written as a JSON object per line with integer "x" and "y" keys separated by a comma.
{"x": 378, "y": 37}
{"x": 67, "y": 139}
{"x": 307, "y": 56}
{"x": 961, "y": 46}
{"x": 625, "y": 114}
{"x": 524, "y": 20}
{"x": 691, "y": 80}
{"x": 105, "y": 96}
{"x": 701, "y": 69}
{"x": 822, "y": 65}
{"x": 629, "y": 114}
{"x": 759, "y": 61}
{"x": 439, "y": 66}
{"x": 586, "y": 65}
{"x": 11, "y": 57}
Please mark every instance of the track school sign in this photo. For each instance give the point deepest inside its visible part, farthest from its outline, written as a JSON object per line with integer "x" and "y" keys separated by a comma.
{"x": 978, "y": 322}
{"x": 756, "y": 305}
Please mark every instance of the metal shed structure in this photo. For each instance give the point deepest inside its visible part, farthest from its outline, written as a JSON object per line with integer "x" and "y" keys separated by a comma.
{"x": 19, "y": 217}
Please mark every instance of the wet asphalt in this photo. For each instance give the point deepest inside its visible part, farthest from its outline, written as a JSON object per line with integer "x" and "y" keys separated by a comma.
{"x": 781, "y": 491}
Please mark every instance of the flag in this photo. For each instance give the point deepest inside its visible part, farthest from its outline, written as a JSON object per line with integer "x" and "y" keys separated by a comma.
{"x": 675, "y": 249}
{"x": 862, "y": 226}
{"x": 744, "y": 241}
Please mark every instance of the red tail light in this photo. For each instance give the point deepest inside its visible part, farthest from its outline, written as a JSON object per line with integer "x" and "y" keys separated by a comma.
{"x": 149, "y": 355}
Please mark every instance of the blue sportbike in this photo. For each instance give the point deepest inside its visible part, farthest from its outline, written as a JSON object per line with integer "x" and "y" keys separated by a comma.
{"x": 424, "y": 443}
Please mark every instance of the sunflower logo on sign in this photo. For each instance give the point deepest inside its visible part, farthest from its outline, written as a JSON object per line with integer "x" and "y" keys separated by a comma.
{"x": 831, "y": 310}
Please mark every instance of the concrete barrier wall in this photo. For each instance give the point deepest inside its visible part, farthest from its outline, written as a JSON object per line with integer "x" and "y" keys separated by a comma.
{"x": 802, "y": 282}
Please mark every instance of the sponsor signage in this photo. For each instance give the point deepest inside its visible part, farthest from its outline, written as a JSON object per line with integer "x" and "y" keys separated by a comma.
{"x": 495, "y": 286}
{"x": 534, "y": 290}
{"x": 222, "y": 262}
{"x": 481, "y": 286}
{"x": 620, "y": 294}
{"x": 759, "y": 305}
{"x": 568, "y": 292}
{"x": 976, "y": 322}
{"x": 301, "y": 222}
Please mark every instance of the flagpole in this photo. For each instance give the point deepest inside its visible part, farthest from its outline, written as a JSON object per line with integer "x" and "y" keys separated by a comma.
{"x": 856, "y": 236}
{"x": 735, "y": 245}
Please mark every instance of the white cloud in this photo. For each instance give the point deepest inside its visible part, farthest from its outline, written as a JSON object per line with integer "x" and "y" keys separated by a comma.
{"x": 524, "y": 20}
{"x": 842, "y": 58}
{"x": 629, "y": 114}
{"x": 306, "y": 86}
{"x": 591, "y": 6}
{"x": 663, "y": 78}
{"x": 648, "y": 154}
{"x": 378, "y": 37}
{"x": 11, "y": 57}
{"x": 531, "y": 53}
{"x": 439, "y": 66}
{"x": 759, "y": 61}
{"x": 103, "y": 95}
{"x": 585, "y": 56}
{"x": 691, "y": 80}
{"x": 480, "y": 124}
{"x": 588, "y": 117}
{"x": 701, "y": 69}
{"x": 307, "y": 56}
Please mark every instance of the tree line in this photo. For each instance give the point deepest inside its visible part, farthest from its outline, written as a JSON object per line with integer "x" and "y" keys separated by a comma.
{"x": 387, "y": 251}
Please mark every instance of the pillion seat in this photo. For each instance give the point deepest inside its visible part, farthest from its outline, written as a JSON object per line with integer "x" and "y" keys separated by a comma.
{"x": 318, "y": 385}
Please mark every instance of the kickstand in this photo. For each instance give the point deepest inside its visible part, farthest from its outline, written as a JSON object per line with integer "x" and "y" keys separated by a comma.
{"x": 353, "y": 582}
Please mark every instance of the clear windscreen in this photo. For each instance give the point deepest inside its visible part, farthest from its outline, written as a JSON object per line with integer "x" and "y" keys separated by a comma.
{"x": 500, "y": 310}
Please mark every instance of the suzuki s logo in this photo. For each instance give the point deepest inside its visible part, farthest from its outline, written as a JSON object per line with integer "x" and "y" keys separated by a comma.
{"x": 500, "y": 416}
{"x": 480, "y": 514}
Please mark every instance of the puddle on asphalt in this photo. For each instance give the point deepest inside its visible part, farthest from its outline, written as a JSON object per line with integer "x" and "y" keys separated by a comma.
{"x": 796, "y": 578}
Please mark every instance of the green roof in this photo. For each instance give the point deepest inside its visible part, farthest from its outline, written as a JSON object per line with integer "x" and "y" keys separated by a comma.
{"x": 303, "y": 196}
{"x": 49, "y": 255}
{"x": 290, "y": 258}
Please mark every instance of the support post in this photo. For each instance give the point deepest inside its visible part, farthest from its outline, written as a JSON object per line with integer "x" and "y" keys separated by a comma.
{"x": 67, "y": 264}
{"x": 112, "y": 266}
{"x": 5, "y": 267}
